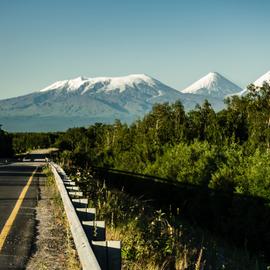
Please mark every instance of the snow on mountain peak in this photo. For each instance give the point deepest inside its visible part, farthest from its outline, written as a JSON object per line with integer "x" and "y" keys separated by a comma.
{"x": 55, "y": 85}
{"x": 258, "y": 83}
{"x": 213, "y": 75}
{"x": 108, "y": 83}
{"x": 69, "y": 85}
{"x": 213, "y": 84}
{"x": 264, "y": 78}
{"x": 130, "y": 81}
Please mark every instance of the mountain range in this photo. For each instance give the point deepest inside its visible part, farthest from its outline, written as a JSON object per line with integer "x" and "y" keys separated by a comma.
{"x": 83, "y": 101}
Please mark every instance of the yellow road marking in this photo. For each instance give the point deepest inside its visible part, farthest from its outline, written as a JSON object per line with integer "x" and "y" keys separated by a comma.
{"x": 7, "y": 227}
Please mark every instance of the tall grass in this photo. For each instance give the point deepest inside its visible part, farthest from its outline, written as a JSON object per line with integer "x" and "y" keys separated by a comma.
{"x": 153, "y": 239}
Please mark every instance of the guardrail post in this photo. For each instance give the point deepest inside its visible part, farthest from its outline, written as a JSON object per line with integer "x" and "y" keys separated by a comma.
{"x": 80, "y": 203}
{"x": 95, "y": 230}
{"x": 86, "y": 213}
{"x": 108, "y": 254}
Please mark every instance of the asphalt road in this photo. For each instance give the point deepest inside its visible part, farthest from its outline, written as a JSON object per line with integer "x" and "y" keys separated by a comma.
{"x": 19, "y": 193}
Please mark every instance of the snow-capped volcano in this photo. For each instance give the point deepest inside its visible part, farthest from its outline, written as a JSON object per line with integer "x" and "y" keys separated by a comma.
{"x": 213, "y": 85}
{"x": 258, "y": 83}
{"x": 263, "y": 79}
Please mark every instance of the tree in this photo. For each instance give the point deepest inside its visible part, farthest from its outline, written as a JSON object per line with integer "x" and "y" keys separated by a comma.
{"x": 259, "y": 114}
{"x": 6, "y": 148}
{"x": 203, "y": 124}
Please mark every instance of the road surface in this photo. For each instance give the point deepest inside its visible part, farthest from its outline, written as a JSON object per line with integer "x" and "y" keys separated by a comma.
{"x": 19, "y": 193}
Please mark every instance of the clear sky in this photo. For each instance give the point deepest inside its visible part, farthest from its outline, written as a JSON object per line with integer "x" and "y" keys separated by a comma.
{"x": 175, "y": 41}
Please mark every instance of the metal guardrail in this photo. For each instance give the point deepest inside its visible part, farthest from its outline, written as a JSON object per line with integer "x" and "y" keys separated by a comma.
{"x": 86, "y": 255}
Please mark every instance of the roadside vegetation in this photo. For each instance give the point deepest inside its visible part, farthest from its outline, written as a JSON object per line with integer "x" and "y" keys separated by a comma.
{"x": 226, "y": 151}
{"x": 153, "y": 239}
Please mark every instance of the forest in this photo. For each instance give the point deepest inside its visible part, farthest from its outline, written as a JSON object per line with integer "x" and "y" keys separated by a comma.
{"x": 225, "y": 151}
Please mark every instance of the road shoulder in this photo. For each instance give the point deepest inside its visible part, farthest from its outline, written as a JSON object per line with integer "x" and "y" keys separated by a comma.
{"x": 54, "y": 248}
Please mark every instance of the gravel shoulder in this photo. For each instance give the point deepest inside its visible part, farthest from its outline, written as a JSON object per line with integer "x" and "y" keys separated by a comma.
{"x": 53, "y": 247}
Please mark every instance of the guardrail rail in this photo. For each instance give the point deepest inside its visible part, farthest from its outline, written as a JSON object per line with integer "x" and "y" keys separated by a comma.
{"x": 89, "y": 234}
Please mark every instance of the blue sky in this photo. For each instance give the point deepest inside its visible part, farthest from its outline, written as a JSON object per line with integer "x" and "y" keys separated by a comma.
{"x": 176, "y": 42}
